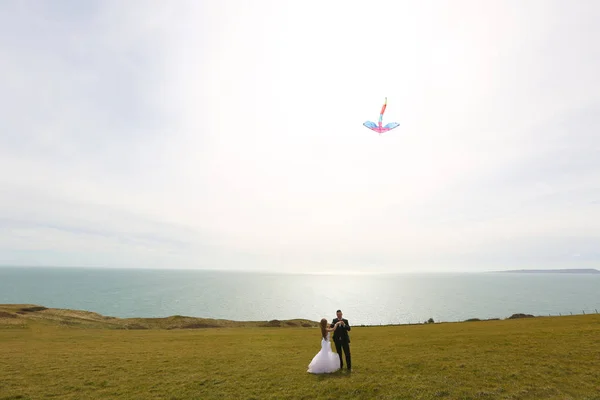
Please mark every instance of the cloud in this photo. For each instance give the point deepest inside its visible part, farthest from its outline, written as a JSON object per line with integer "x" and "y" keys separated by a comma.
{"x": 229, "y": 135}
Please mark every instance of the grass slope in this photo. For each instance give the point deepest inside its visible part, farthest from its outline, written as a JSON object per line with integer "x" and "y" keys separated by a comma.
{"x": 23, "y": 314}
{"x": 532, "y": 358}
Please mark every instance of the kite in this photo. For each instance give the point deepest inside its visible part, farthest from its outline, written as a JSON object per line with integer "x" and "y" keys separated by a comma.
{"x": 379, "y": 128}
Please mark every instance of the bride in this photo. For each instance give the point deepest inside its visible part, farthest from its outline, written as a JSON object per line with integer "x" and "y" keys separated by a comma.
{"x": 325, "y": 361}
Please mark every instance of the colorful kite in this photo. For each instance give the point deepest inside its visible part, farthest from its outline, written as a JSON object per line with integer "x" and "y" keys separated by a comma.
{"x": 378, "y": 128}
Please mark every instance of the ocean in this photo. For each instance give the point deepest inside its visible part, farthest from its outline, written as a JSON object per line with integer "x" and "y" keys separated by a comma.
{"x": 364, "y": 299}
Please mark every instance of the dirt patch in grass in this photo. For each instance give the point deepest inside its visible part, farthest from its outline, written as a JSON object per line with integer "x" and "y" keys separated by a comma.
{"x": 33, "y": 309}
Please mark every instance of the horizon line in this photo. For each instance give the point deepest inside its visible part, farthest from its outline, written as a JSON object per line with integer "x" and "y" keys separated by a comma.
{"x": 279, "y": 272}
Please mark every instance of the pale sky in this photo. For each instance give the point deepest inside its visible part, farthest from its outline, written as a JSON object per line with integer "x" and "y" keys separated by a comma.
{"x": 228, "y": 134}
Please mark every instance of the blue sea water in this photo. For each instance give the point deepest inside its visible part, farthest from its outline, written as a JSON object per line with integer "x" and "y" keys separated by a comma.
{"x": 364, "y": 299}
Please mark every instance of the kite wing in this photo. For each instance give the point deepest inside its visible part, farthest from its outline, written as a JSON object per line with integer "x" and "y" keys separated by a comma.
{"x": 391, "y": 125}
{"x": 370, "y": 125}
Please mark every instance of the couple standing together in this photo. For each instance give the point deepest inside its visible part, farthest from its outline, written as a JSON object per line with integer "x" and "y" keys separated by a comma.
{"x": 326, "y": 360}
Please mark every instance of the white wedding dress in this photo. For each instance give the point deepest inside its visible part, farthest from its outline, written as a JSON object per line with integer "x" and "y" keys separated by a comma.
{"x": 325, "y": 361}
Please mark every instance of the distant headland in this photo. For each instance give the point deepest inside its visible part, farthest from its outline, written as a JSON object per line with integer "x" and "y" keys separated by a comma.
{"x": 553, "y": 271}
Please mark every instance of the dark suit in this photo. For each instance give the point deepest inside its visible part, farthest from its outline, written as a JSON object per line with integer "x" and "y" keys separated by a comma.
{"x": 341, "y": 338}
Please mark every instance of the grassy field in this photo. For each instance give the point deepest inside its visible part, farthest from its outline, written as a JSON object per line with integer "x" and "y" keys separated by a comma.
{"x": 91, "y": 356}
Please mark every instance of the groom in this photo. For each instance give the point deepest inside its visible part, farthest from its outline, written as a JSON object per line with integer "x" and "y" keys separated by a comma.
{"x": 341, "y": 338}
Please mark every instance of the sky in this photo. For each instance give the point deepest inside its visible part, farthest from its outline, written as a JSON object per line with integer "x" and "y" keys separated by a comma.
{"x": 228, "y": 135}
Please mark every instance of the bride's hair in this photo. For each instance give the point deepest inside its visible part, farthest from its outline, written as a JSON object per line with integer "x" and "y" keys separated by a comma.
{"x": 324, "y": 328}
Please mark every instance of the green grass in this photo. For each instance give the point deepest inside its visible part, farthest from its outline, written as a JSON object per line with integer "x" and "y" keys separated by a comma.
{"x": 533, "y": 358}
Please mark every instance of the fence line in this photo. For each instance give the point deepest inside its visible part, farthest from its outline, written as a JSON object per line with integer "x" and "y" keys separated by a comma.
{"x": 514, "y": 316}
